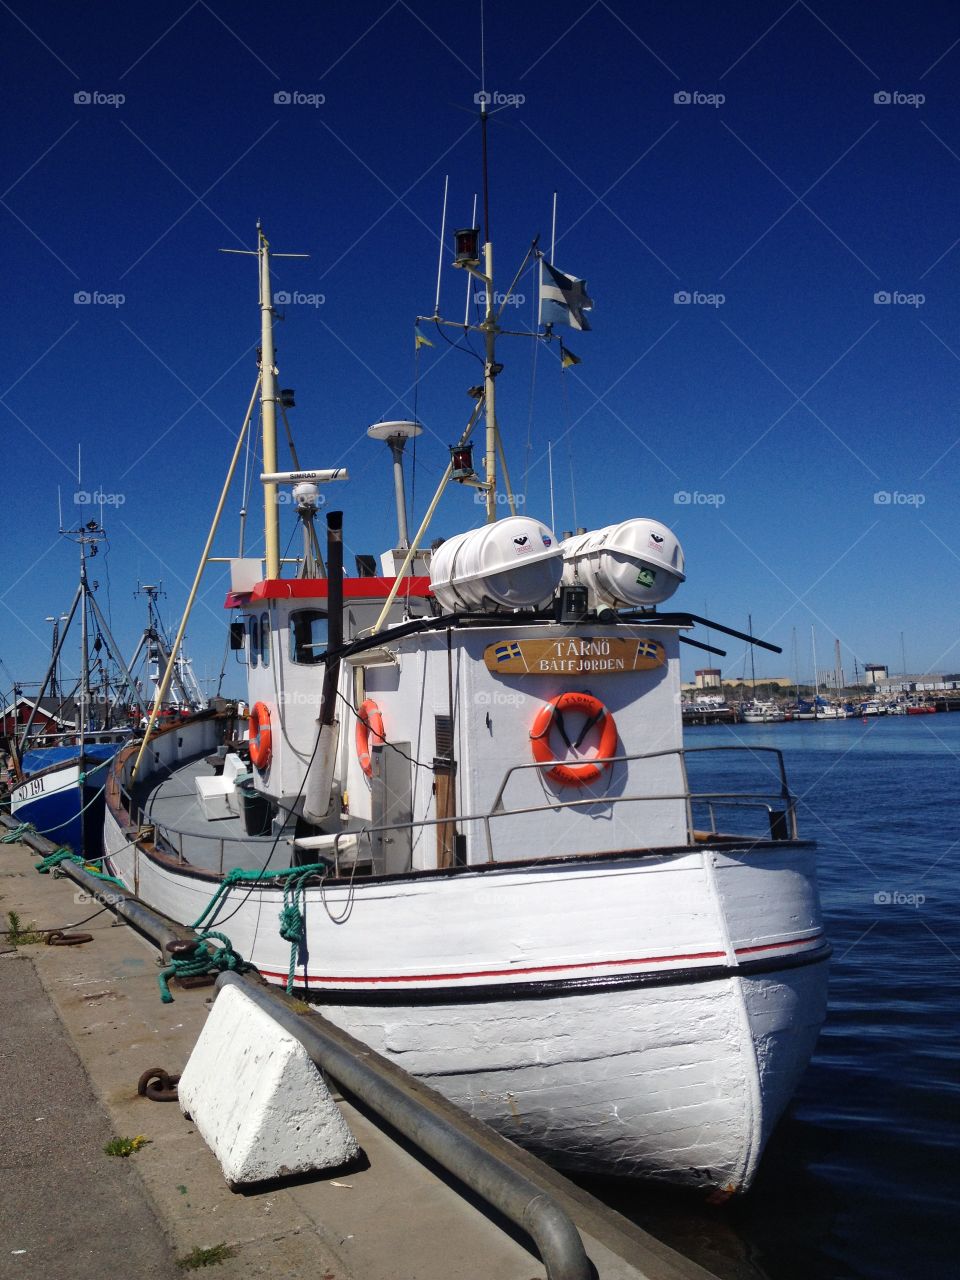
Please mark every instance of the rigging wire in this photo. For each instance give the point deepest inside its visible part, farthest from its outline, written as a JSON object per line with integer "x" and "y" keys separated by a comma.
{"x": 468, "y": 349}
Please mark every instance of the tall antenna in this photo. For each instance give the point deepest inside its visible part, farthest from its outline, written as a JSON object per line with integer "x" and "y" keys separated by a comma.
{"x": 443, "y": 232}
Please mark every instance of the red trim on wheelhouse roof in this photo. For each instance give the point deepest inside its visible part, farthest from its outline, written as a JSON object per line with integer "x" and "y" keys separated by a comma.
{"x": 318, "y": 588}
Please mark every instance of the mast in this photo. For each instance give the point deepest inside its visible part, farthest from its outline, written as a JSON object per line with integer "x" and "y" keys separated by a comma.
{"x": 268, "y": 410}
{"x": 84, "y": 647}
{"x": 267, "y": 384}
{"x": 490, "y": 335}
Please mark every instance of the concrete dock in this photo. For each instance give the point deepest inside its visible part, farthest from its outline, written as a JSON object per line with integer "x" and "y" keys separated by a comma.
{"x": 81, "y": 1024}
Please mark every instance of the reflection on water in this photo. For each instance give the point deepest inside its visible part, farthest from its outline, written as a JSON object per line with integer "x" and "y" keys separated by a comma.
{"x": 860, "y": 1180}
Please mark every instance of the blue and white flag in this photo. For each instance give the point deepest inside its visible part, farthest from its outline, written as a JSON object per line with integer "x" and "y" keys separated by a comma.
{"x": 563, "y": 298}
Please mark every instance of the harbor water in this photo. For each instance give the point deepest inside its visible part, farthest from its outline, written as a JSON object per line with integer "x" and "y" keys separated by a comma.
{"x": 861, "y": 1181}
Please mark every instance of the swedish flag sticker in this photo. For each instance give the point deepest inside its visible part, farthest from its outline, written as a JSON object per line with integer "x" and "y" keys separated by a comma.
{"x": 504, "y": 652}
{"x": 648, "y": 649}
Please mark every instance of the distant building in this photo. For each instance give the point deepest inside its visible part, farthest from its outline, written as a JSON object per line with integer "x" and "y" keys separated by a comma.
{"x": 708, "y": 678}
{"x": 927, "y": 683}
{"x": 53, "y": 715}
{"x": 873, "y": 673}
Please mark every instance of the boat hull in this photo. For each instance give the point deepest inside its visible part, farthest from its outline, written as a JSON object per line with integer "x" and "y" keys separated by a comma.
{"x": 65, "y": 803}
{"x": 641, "y": 1014}
{"x": 679, "y": 1083}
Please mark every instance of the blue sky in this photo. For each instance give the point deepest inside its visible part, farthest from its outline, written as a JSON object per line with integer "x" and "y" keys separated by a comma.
{"x": 761, "y": 427}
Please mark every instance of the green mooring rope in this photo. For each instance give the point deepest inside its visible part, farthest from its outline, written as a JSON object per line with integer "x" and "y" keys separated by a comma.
{"x": 203, "y": 960}
{"x": 294, "y": 880}
{"x": 53, "y": 860}
{"x": 17, "y": 834}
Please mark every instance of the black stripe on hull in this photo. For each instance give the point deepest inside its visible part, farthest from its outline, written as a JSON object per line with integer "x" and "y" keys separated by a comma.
{"x": 492, "y": 993}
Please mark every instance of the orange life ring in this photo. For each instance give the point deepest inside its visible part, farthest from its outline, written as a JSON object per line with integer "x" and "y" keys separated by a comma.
{"x": 260, "y": 735}
{"x": 586, "y": 770}
{"x": 369, "y": 726}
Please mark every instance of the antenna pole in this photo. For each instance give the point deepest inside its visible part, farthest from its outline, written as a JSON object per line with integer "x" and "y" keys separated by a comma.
{"x": 489, "y": 378}
{"x": 268, "y": 407}
{"x": 486, "y": 183}
{"x": 553, "y": 228}
{"x": 553, "y": 518}
{"x": 443, "y": 232}
{"x": 490, "y": 334}
{"x": 466, "y": 305}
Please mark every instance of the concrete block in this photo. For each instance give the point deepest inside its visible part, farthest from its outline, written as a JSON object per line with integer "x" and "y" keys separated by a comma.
{"x": 257, "y": 1099}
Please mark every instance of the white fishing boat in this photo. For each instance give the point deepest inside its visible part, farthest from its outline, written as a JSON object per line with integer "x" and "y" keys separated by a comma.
{"x": 464, "y": 787}
{"x": 761, "y": 711}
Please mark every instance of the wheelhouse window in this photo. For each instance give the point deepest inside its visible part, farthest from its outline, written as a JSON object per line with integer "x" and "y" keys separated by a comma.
{"x": 308, "y": 636}
{"x": 253, "y": 631}
{"x": 265, "y": 639}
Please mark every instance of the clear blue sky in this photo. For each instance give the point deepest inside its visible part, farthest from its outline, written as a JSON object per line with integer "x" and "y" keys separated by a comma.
{"x": 781, "y": 411}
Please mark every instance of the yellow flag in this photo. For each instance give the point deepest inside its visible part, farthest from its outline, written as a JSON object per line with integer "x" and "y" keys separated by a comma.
{"x": 567, "y": 358}
{"x": 421, "y": 341}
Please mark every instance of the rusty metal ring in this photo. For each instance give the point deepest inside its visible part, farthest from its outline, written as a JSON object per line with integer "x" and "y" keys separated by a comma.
{"x": 58, "y": 938}
{"x": 157, "y": 1085}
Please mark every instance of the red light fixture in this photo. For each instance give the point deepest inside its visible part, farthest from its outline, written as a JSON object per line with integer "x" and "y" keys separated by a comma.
{"x": 466, "y": 246}
{"x": 461, "y": 462}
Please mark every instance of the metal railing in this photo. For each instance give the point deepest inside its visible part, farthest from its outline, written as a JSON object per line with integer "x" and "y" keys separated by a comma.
{"x": 779, "y": 804}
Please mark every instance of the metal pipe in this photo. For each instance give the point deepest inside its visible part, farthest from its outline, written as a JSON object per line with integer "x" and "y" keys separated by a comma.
{"x": 482, "y": 1160}
{"x": 331, "y": 671}
{"x": 396, "y": 444}
{"x": 157, "y": 928}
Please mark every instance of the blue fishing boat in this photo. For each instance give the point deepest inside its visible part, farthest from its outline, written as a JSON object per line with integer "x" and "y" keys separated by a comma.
{"x": 60, "y": 775}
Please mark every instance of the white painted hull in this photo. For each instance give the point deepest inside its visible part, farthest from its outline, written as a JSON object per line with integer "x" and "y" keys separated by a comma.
{"x": 627, "y": 1015}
